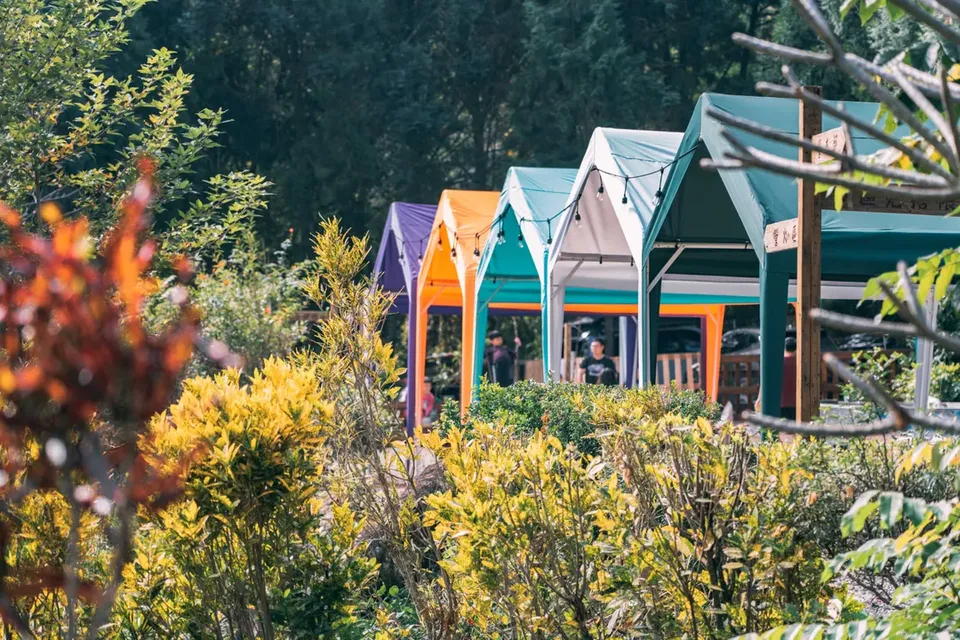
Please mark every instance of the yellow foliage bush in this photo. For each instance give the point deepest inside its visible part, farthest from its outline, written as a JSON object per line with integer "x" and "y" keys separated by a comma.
{"x": 526, "y": 525}
{"x": 257, "y": 545}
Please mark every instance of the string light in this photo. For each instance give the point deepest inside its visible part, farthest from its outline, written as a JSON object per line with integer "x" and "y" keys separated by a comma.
{"x": 501, "y": 237}
{"x": 600, "y": 190}
{"x": 626, "y": 182}
{"x": 520, "y": 240}
{"x": 576, "y": 216}
{"x": 453, "y": 247}
{"x": 549, "y": 232}
{"x": 659, "y": 193}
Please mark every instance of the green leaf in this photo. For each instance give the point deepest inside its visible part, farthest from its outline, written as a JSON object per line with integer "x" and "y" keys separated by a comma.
{"x": 890, "y": 124}
{"x": 926, "y": 284}
{"x": 846, "y": 7}
{"x": 894, "y": 11}
{"x": 944, "y": 279}
{"x": 868, "y": 8}
{"x": 854, "y": 519}
{"x": 915, "y": 509}
{"x": 838, "y": 195}
{"x": 891, "y": 504}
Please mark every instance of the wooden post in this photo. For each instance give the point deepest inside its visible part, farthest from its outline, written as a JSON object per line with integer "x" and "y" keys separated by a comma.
{"x": 808, "y": 274}
{"x": 567, "y": 353}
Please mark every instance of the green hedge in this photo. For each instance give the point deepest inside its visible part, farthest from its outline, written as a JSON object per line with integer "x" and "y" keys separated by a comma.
{"x": 568, "y": 410}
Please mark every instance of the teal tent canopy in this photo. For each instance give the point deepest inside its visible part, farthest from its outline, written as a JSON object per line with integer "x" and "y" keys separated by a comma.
{"x": 513, "y": 265}
{"x": 720, "y": 218}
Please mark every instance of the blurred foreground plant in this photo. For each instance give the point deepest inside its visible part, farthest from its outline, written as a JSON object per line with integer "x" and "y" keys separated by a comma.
{"x": 80, "y": 378}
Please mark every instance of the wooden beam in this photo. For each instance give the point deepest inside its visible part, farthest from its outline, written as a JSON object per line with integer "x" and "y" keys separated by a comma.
{"x": 808, "y": 272}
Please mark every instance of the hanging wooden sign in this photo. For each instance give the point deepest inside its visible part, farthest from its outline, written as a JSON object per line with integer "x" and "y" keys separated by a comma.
{"x": 859, "y": 201}
{"x": 781, "y": 236}
{"x": 834, "y": 139}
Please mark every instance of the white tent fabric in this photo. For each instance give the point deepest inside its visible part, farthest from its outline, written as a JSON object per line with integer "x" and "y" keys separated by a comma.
{"x": 604, "y": 248}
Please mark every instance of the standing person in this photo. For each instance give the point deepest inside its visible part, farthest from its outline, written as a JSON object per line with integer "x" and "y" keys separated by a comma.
{"x": 593, "y": 366}
{"x": 500, "y": 360}
{"x": 429, "y": 403}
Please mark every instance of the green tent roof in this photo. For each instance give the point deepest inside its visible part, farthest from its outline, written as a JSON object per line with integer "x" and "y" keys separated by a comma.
{"x": 736, "y": 206}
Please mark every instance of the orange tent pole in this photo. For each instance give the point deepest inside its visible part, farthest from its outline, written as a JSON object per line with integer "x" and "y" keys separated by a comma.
{"x": 468, "y": 338}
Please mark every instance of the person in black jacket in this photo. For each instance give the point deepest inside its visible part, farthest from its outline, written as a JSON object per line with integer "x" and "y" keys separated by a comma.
{"x": 500, "y": 360}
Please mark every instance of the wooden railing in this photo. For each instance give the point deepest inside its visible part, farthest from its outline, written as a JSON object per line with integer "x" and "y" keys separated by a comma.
{"x": 740, "y": 380}
{"x": 680, "y": 368}
{"x": 683, "y": 368}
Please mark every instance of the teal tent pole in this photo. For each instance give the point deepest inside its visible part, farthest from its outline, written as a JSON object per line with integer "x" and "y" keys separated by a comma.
{"x": 480, "y": 329}
{"x": 643, "y": 329}
{"x": 773, "y": 335}
{"x": 546, "y": 284}
{"x": 653, "y": 318}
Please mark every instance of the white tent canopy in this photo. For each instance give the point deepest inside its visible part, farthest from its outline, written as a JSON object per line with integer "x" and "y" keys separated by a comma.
{"x": 598, "y": 242}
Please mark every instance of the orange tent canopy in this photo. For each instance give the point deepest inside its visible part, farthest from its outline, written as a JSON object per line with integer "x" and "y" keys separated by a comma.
{"x": 448, "y": 275}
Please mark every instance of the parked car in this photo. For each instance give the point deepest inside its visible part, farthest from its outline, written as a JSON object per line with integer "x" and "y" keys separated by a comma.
{"x": 747, "y": 341}
{"x": 679, "y": 338}
{"x": 866, "y": 342}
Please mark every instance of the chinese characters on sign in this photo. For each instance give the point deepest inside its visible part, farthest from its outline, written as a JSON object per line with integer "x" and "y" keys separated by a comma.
{"x": 834, "y": 139}
{"x": 857, "y": 201}
{"x": 780, "y": 236}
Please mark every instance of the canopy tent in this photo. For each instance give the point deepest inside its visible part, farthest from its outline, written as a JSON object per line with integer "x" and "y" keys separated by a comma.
{"x": 597, "y": 241}
{"x": 397, "y": 267}
{"x": 513, "y": 268}
{"x": 712, "y": 224}
{"x": 396, "y": 270}
{"x": 514, "y": 272}
{"x": 448, "y": 276}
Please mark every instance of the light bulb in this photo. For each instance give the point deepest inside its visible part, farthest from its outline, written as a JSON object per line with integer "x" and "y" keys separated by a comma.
{"x": 578, "y": 220}
{"x": 520, "y": 240}
{"x": 476, "y": 252}
{"x": 600, "y": 193}
{"x": 501, "y": 238}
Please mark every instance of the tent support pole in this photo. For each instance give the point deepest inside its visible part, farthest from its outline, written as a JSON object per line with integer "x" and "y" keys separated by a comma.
{"x": 566, "y": 278}
{"x": 773, "y": 333}
{"x": 666, "y": 267}
{"x": 727, "y": 246}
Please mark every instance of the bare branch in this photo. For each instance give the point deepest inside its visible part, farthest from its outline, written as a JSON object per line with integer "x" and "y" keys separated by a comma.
{"x": 818, "y": 22}
{"x": 942, "y": 6}
{"x": 928, "y": 109}
{"x": 925, "y": 17}
{"x": 909, "y": 295}
{"x": 947, "y": 101}
{"x": 882, "y": 427}
{"x": 870, "y": 389}
{"x": 771, "y": 162}
{"x": 848, "y": 161}
{"x": 918, "y": 158}
{"x": 765, "y": 47}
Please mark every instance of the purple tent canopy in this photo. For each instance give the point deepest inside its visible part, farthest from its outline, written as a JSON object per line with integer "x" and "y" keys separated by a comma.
{"x": 397, "y": 267}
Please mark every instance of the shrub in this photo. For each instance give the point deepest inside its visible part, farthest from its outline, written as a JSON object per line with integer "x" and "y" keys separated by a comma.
{"x": 251, "y": 307}
{"x": 527, "y": 521}
{"x": 80, "y": 379}
{"x": 709, "y": 548}
{"x": 569, "y": 411}
{"x": 261, "y": 546}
